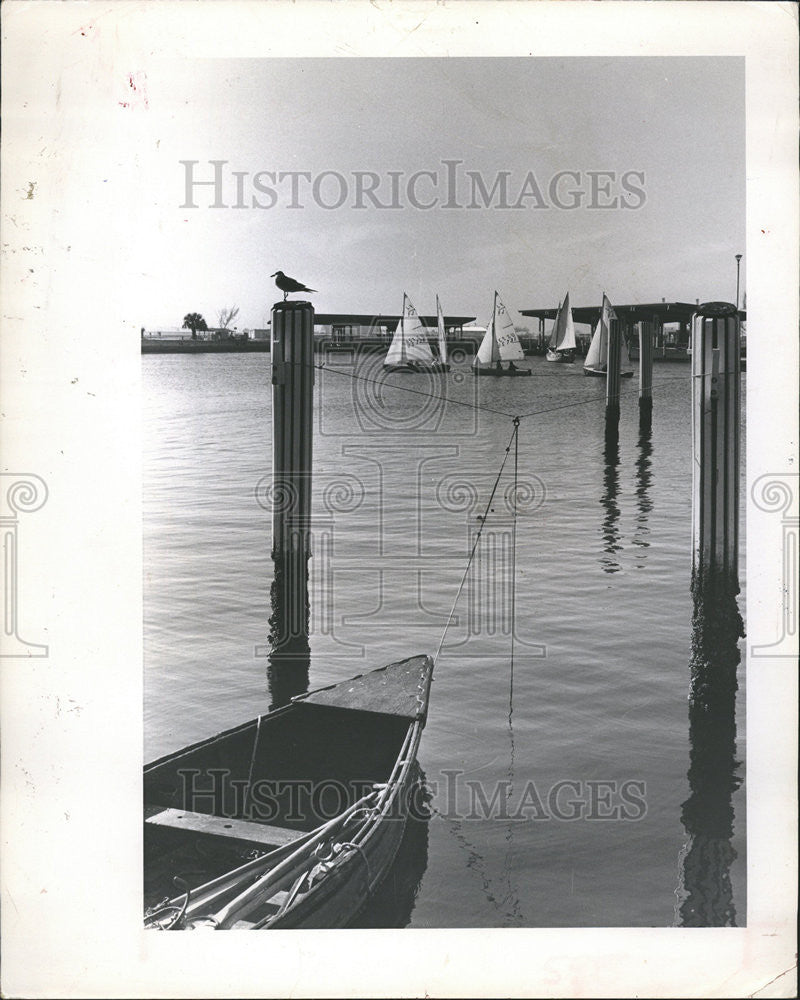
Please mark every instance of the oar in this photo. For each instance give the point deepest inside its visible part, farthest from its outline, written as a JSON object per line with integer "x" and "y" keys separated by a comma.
{"x": 223, "y": 885}
{"x": 282, "y": 874}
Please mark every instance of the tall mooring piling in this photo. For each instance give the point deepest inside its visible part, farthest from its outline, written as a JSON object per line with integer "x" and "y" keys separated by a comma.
{"x": 292, "y": 433}
{"x": 706, "y": 892}
{"x": 613, "y": 379}
{"x": 716, "y": 417}
{"x": 645, "y": 375}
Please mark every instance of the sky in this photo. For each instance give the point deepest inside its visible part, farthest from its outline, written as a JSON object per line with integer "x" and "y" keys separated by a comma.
{"x": 651, "y": 204}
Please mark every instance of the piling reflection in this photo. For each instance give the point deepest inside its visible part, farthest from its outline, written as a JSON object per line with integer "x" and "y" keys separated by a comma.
{"x": 644, "y": 504}
{"x": 393, "y": 901}
{"x": 610, "y": 528}
{"x": 290, "y": 653}
{"x": 706, "y": 893}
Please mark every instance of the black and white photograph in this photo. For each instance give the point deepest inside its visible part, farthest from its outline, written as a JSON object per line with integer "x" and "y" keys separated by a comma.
{"x": 400, "y": 527}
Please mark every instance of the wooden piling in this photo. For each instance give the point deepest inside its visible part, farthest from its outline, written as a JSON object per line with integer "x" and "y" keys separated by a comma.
{"x": 645, "y": 374}
{"x": 292, "y": 432}
{"x": 613, "y": 378}
{"x": 715, "y": 440}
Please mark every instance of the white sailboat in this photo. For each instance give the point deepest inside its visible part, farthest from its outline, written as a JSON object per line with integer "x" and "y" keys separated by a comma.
{"x": 410, "y": 350}
{"x": 441, "y": 362}
{"x": 561, "y": 348}
{"x": 596, "y": 363}
{"x": 500, "y": 343}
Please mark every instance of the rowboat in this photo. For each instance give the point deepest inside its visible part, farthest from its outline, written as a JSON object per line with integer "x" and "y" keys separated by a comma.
{"x": 292, "y": 819}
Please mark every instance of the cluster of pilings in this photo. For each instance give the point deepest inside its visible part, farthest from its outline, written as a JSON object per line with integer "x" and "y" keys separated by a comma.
{"x": 614, "y": 375}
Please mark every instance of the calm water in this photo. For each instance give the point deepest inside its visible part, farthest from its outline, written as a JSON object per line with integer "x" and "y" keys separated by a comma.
{"x": 578, "y": 749}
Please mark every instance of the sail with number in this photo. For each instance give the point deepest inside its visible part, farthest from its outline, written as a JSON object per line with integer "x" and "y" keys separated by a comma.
{"x": 410, "y": 343}
{"x": 563, "y": 336}
{"x": 441, "y": 332}
{"x": 500, "y": 343}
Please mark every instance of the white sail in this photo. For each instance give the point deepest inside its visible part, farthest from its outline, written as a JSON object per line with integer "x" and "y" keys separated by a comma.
{"x": 488, "y": 352}
{"x": 597, "y": 355}
{"x": 598, "y": 349}
{"x": 505, "y": 335}
{"x": 441, "y": 333}
{"x": 563, "y": 336}
{"x": 410, "y": 342}
{"x": 395, "y": 355}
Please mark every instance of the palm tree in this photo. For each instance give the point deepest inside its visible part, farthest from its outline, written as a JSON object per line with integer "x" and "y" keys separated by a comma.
{"x": 194, "y": 322}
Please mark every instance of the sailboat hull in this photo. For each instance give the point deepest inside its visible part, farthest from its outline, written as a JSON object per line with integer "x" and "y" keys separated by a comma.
{"x": 601, "y": 373}
{"x": 560, "y": 357}
{"x": 502, "y": 372}
{"x": 416, "y": 368}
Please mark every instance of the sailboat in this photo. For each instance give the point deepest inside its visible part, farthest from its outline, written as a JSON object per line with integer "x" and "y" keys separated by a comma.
{"x": 441, "y": 362}
{"x": 410, "y": 350}
{"x": 561, "y": 348}
{"x": 500, "y": 343}
{"x": 596, "y": 363}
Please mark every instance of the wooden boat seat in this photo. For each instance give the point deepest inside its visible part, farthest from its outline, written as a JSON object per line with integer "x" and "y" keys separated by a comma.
{"x": 261, "y": 834}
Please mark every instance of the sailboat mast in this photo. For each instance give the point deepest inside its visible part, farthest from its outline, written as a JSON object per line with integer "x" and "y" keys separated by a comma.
{"x": 403, "y": 331}
{"x": 495, "y": 348}
{"x": 441, "y": 332}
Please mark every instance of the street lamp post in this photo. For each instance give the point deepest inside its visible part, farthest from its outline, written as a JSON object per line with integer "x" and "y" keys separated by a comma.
{"x": 738, "y": 262}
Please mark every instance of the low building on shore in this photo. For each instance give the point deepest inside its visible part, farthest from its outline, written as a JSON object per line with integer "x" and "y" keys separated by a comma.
{"x": 670, "y": 323}
{"x": 355, "y": 329}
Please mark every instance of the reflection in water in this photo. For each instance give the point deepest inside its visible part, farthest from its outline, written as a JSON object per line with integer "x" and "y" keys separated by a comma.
{"x": 610, "y": 529}
{"x": 287, "y": 673}
{"x": 392, "y": 903}
{"x": 706, "y": 894}
{"x": 644, "y": 476}
{"x": 511, "y": 900}
{"x": 503, "y": 900}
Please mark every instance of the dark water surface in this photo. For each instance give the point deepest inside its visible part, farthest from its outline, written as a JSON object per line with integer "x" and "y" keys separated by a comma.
{"x": 558, "y": 781}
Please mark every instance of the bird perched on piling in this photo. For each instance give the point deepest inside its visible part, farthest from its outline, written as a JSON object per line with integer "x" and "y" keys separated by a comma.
{"x": 287, "y": 284}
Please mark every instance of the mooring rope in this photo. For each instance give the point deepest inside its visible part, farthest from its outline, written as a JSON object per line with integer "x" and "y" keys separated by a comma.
{"x": 596, "y": 397}
{"x": 513, "y": 570}
{"x": 478, "y": 534}
{"x": 252, "y": 765}
{"x": 416, "y": 392}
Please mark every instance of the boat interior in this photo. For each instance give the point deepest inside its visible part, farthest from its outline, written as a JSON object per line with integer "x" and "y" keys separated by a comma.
{"x": 260, "y": 787}
{"x": 301, "y": 766}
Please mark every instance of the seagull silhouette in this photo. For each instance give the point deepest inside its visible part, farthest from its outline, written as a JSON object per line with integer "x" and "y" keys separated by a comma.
{"x": 287, "y": 284}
